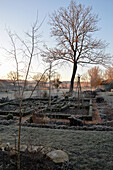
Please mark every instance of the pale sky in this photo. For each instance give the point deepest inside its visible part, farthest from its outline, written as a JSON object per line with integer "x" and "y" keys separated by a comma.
{"x": 18, "y": 16}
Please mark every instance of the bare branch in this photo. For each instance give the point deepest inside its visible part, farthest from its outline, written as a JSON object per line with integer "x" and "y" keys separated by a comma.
{"x": 74, "y": 28}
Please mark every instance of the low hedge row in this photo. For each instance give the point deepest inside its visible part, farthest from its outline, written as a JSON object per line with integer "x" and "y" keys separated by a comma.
{"x": 15, "y": 113}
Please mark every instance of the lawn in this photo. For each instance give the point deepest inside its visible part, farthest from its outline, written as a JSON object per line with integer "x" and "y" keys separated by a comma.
{"x": 86, "y": 149}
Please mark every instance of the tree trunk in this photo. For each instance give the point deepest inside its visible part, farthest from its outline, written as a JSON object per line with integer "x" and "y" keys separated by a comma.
{"x": 73, "y": 76}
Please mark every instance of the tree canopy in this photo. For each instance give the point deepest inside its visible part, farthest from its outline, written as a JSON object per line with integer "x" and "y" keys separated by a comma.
{"x": 74, "y": 28}
{"x": 95, "y": 75}
{"x": 109, "y": 74}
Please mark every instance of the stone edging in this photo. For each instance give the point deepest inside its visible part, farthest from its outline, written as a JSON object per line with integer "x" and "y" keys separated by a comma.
{"x": 58, "y": 157}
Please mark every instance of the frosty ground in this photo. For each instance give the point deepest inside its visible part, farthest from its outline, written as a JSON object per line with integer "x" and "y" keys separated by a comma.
{"x": 86, "y": 149}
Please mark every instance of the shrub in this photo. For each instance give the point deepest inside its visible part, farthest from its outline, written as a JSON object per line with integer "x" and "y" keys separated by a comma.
{"x": 45, "y": 94}
{"x": 66, "y": 97}
{"x": 9, "y": 116}
{"x": 31, "y": 120}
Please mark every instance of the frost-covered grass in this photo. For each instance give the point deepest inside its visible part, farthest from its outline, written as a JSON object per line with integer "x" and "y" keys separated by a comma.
{"x": 86, "y": 149}
{"x": 108, "y": 97}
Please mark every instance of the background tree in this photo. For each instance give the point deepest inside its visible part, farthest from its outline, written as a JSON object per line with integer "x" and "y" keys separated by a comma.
{"x": 51, "y": 70}
{"x": 56, "y": 81}
{"x": 74, "y": 28}
{"x": 42, "y": 78}
{"x": 109, "y": 74}
{"x": 95, "y": 75}
{"x": 12, "y": 75}
{"x": 85, "y": 78}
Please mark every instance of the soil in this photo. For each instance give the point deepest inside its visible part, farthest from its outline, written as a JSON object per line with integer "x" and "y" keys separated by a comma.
{"x": 76, "y": 111}
{"x": 30, "y": 161}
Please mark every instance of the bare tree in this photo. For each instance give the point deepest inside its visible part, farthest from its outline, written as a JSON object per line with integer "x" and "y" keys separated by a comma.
{"x": 42, "y": 77}
{"x": 95, "y": 75}
{"x": 85, "y": 79}
{"x": 14, "y": 52}
{"x": 56, "y": 81}
{"x": 51, "y": 68}
{"x": 109, "y": 74}
{"x": 12, "y": 75}
{"x": 29, "y": 49}
{"x": 74, "y": 28}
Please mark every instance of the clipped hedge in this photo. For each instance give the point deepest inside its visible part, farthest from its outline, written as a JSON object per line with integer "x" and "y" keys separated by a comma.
{"x": 16, "y": 113}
